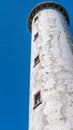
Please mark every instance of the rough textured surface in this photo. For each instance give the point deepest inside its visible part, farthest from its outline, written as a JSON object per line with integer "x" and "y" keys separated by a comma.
{"x": 53, "y": 76}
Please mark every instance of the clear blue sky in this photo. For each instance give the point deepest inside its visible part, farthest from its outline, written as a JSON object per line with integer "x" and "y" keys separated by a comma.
{"x": 15, "y": 45}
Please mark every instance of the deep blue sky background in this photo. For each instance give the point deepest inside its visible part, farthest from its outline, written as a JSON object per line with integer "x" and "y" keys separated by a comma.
{"x": 15, "y": 45}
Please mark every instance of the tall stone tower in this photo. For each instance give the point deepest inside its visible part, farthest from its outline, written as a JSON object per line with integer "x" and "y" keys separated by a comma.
{"x": 51, "y": 76}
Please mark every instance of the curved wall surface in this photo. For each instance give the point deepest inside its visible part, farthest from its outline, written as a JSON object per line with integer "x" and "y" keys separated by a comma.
{"x": 51, "y": 76}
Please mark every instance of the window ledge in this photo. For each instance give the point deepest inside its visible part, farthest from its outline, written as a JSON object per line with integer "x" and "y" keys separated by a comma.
{"x": 36, "y": 63}
{"x": 36, "y": 105}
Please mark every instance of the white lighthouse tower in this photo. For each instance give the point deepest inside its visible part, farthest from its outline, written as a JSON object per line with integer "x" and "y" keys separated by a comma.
{"x": 51, "y": 76}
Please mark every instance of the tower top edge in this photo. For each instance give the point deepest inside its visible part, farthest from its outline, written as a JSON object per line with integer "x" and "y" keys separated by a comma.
{"x": 48, "y": 5}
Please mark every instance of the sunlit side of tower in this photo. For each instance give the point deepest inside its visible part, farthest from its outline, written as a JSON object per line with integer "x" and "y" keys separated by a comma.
{"x": 51, "y": 73}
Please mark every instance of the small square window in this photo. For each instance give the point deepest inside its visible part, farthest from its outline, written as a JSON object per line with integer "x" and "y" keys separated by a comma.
{"x": 36, "y": 60}
{"x": 36, "y": 18}
{"x": 36, "y": 36}
{"x": 37, "y": 99}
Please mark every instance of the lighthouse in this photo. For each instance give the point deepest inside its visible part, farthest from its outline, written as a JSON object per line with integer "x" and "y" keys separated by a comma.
{"x": 51, "y": 71}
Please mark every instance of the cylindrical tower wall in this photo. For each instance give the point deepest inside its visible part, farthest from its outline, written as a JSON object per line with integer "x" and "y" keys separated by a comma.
{"x": 51, "y": 72}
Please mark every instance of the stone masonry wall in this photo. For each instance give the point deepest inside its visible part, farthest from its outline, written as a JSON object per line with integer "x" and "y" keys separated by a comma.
{"x": 53, "y": 75}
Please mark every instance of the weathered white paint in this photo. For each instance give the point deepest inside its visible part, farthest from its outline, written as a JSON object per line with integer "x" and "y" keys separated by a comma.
{"x": 53, "y": 76}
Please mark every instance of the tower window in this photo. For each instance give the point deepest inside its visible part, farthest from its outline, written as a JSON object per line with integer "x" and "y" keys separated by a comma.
{"x": 36, "y": 18}
{"x": 37, "y": 99}
{"x": 36, "y": 36}
{"x": 36, "y": 60}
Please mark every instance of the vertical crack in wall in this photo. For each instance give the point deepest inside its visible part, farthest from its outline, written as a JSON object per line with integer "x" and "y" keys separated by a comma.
{"x": 64, "y": 106}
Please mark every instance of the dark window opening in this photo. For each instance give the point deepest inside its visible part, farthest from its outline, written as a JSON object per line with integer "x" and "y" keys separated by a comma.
{"x": 36, "y": 36}
{"x": 37, "y": 99}
{"x": 36, "y": 18}
{"x": 36, "y": 60}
